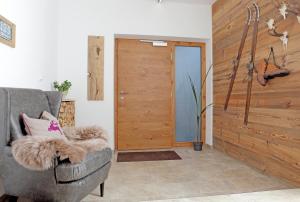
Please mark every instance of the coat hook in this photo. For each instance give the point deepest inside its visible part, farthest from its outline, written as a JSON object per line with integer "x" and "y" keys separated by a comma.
{"x": 98, "y": 51}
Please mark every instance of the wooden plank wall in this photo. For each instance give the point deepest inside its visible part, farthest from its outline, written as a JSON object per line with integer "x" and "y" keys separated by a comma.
{"x": 271, "y": 141}
{"x": 95, "y": 68}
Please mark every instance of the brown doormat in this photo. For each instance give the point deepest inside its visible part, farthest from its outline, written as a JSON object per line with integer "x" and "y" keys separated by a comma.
{"x": 147, "y": 156}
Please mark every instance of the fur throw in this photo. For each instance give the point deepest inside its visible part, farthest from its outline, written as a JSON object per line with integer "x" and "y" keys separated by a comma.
{"x": 39, "y": 152}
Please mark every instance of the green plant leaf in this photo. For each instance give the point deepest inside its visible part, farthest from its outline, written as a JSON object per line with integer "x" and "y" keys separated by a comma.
{"x": 194, "y": 90}
{"x": 63, "y": 87}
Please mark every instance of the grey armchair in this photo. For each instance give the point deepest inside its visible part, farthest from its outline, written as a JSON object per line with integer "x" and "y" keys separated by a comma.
{"x": 63, "y": 182}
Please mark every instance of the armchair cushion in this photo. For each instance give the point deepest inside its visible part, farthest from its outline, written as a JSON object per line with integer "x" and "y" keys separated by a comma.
{"x": 67, "y": 172}
{"x": 31, "y": 102}
{"x": 42, "y": 126}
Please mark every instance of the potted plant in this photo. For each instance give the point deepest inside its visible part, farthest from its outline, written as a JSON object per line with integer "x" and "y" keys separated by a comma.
{"x": 199, "y": 110}
{"x": 63, "y": 87}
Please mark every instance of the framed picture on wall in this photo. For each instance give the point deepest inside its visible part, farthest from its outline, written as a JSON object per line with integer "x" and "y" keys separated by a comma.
{"x": 7, "y": 32}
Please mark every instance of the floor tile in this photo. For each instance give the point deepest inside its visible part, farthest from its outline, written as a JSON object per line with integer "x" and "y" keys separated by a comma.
{"x": 209, "y": 175}
{"x": 205, "y": 173}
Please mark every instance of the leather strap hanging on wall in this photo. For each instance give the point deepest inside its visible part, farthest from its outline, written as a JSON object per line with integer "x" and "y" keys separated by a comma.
{"x": 267, "y": 69}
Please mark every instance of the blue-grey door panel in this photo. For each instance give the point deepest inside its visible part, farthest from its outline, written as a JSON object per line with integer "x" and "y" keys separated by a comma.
{"x": 187, "y": 63}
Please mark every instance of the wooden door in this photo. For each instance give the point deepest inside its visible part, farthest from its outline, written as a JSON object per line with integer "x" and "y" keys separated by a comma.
{"x": 144, "y": 95}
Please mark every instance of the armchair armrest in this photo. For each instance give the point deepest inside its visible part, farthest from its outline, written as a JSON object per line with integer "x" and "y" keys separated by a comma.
{"x": 85, "y": 133}
{"x": 6, "y": 154}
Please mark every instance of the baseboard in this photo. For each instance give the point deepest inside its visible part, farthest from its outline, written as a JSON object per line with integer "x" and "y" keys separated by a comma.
{"x": 183, "y": 144}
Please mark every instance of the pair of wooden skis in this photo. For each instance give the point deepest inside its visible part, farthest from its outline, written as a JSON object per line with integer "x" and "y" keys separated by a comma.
{"x": 251, "y": 64}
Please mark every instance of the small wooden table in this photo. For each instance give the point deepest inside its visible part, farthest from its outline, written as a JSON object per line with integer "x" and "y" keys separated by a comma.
{"x": 66, "y": 115}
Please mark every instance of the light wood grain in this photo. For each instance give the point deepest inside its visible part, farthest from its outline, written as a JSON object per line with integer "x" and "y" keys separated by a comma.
{"x": 95, "y": 68}
{"x": 67, "y": 114}
{"x": 144, "y": 96}
{"x": 271, "y": 141}
{"x": 145, "y": 116}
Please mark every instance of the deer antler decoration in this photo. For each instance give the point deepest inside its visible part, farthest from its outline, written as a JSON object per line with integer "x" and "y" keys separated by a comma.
{"x": 272, "y": 28}
{"x": 285, "y": 40}
{"x": 284, "y": 37}
{"x": 285, "y": 9}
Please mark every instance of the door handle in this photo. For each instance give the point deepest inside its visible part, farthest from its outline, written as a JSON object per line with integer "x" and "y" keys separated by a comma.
{"x": 123, "y": 93}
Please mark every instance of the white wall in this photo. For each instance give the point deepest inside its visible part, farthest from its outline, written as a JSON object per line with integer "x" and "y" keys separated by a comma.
{"x": 80, "y": 18}
{"x": 33, "y": 63}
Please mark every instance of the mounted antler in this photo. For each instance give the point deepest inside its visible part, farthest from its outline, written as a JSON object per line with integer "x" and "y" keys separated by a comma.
{"x": 284, "y": 37}
{"x": 285, "y": 40}
{"x": 272, "y": 28}
{"x": 272, "y": 31}
{"x": 292, "y": 7}
{"x": 283, "y": 10}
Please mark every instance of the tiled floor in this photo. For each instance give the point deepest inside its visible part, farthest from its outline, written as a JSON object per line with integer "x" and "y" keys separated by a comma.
{"x": 206, "y": 173}
{"x": 288, "y": 195}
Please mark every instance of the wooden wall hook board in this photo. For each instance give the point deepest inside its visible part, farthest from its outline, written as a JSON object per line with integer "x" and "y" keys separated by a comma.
{"x": 95, "y": 76}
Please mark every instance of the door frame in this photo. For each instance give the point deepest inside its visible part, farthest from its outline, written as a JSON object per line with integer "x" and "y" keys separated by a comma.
{"x": 116, "y": 95}
{"x": 203, "y": 74}
{"x": 173, "y": 45}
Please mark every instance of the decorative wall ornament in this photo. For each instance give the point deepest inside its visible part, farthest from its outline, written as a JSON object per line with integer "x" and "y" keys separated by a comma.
{"x": 95, "y": 68}
{"x": 7, "y": 32}
{"x": 291, "y": 8}
{"x": 284, "y": 37}
{"x": 283, "y": 10}
{"x": 275, "y": 115}
{"x": 268, "y": 69}
{"x": 271, "y": 24}
{"x": 272, "y": 29}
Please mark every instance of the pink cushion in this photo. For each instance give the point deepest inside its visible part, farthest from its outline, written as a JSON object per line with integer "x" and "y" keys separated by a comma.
{"x": 41, "y": 126}
{"x": 47, "y": 116}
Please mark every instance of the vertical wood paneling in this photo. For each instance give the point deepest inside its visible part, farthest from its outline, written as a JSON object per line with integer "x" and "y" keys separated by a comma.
{"x": 95, "y": 68}
{"x": 271, "y": 141}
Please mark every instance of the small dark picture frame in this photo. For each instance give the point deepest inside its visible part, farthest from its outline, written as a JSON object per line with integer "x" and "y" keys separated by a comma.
{"x": 7, "y": 32}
